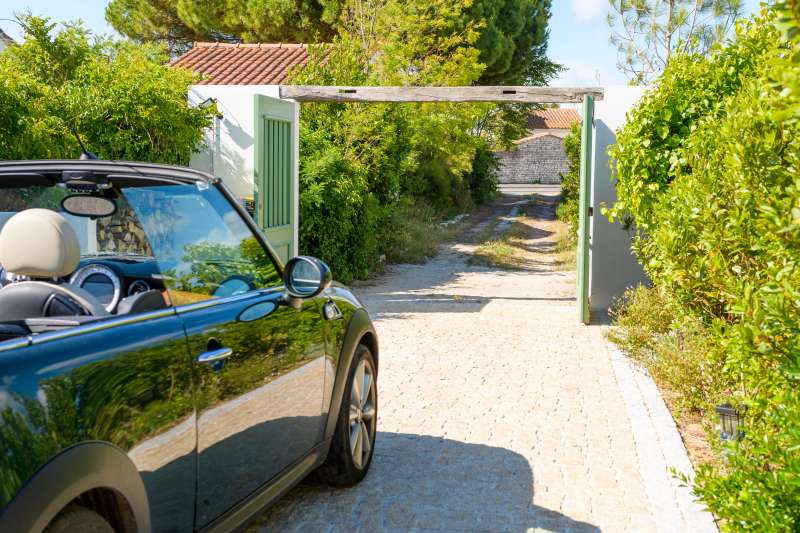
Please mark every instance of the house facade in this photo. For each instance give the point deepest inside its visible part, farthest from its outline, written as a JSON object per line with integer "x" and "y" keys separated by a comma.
{"x": 254, "y": 141}
{"x": 539, "y": 157}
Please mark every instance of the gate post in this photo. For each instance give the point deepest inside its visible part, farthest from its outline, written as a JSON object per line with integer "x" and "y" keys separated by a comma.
{"x": 584, "y": 209}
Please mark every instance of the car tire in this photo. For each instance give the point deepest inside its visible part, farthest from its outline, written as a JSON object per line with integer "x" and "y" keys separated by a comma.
{"x": 353, "y": 442}
{"x": 77, "y": 519}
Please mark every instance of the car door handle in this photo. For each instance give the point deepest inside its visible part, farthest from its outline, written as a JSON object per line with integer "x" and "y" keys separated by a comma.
{"x": 331, "y": 311}
{"x": 213, "y": 356}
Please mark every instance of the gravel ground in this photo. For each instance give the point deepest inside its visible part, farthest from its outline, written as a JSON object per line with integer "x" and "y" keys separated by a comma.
{"x": 499, "y": 412}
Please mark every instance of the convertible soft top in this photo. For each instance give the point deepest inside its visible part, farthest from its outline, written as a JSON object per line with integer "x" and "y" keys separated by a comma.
{"x": 57, "y": 170}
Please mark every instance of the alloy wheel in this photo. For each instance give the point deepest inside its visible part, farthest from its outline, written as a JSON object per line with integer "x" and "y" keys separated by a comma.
{"x": 362, "y": 413}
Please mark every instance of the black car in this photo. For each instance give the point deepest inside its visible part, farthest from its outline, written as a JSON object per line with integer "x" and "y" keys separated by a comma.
{"x": 160, "y": 370}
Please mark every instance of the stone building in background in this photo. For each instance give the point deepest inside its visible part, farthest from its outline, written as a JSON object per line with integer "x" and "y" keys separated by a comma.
{"x": 539, "y": 157}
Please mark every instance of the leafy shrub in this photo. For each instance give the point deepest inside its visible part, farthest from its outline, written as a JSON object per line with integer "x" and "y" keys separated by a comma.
{"x": 567, "y": 209}
{"x": 412, "y": 232}
{"x": 679, "y": 351}
{"x": 694, "y": 88}
{"x": 376, "y": 178}
{"x": 708, "y": 167}
{"x": 482, "y": 179}
{"x": 121, "y": 98}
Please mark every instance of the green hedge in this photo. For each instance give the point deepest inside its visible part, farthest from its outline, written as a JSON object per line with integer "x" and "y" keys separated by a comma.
{"x": 376, "y": 178}
{"x": 709, "y": 171}
{"x": 567, "y": 209}
{"x": 120, "y": 97}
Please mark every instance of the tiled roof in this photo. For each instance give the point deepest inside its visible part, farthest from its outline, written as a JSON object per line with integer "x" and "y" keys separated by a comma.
{"x": 534, "y": 137}
{"x": 242, "y": 64}
{"x": 556, "y": 118}
{"x": 5, "y": 39}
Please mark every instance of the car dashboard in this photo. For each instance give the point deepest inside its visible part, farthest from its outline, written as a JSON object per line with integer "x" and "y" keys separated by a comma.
{"x": 109, "y": 278}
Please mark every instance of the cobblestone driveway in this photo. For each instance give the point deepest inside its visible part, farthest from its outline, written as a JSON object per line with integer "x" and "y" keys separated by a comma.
{"x": 499, "y": 412}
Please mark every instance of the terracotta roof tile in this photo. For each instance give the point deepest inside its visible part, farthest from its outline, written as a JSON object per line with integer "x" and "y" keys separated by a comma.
{"x": 534, "y": 137}
{"x": 4, "y": 37}
{"x": 557, "y": 118}
{"x": 242, "y": 64}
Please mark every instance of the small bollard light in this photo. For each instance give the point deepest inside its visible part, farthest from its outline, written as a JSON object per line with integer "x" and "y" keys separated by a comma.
{"x": 730, "y": 418}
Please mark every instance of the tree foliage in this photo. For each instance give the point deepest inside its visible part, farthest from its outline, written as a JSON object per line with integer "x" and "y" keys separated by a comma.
{"x": 120, "y": 98}
{"x": 707, "y": 165}
{"x": 362, "y": 160}
{"x": 370, "y": 166}
{"x": 568, "y": 207}
{"x": 512, "y": 34}
{"x": 365, "y": 165}
{"x": 512, "y": 40}
{"x": 648, "y": 32}
{"x": 178, "y": 23}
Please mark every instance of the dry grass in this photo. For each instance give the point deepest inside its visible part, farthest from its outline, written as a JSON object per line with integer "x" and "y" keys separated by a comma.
{"x": 509, "y": 250}
{"x": 418, "y": 233}
{"x": 496, "y": 254}
{"x": 680, "y": 355}
{"x": 565, "y": 247}
{"x": 692, "y": 429}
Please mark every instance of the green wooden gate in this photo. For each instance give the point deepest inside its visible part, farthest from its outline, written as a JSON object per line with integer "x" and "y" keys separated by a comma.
{"x": 584, "y": 206}
{"x": 275, "y": 192}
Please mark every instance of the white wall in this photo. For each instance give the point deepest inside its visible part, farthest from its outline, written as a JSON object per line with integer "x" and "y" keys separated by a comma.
{"x": 230, "y": 154}
{"x": 613, "y": 267}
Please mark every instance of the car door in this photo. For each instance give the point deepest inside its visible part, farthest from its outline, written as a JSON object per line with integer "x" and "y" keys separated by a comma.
{"x": 125, "y": 381}
{"x": 259, "y": 365}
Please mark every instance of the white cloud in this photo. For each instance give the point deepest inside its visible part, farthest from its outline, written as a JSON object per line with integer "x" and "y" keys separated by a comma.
{"x": 584, "y": 10}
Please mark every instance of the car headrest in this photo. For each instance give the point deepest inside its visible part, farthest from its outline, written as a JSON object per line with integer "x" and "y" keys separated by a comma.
{"x": 39, "y": 243}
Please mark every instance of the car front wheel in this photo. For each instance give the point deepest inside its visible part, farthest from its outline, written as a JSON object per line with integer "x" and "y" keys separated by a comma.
{"x": 77, "y": 519}
{"x": 354, "y": 439}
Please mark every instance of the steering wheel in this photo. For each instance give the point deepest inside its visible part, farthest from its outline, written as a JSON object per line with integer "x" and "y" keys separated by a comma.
{"x": 232, "y": 286}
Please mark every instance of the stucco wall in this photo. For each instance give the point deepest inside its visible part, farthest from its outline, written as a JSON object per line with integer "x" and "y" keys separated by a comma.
{"x": 229, "y": 152}
{"x": 613, "y": 267}
{"x": 540, "y": 160}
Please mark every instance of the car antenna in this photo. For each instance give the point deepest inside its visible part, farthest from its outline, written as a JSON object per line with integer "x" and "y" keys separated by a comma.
{"x": 85, "y": 154}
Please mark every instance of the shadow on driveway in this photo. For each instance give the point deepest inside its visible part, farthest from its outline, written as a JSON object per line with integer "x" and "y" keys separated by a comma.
{"x": 426, "y": 483}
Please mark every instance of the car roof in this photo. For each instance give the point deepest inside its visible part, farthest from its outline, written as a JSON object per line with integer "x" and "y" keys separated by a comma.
{"x": 54, "y": 168}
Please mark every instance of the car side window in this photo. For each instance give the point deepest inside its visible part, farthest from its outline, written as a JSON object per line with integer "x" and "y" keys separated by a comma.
{"x": 201, "y": 244}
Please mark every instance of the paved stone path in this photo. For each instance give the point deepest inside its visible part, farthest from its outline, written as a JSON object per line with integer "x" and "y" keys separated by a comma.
{"x": 499, "y": 412}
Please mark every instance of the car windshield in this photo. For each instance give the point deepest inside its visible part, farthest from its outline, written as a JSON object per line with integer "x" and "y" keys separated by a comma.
{"x": 202, "y": 247}
{"x": 118, "y": 235}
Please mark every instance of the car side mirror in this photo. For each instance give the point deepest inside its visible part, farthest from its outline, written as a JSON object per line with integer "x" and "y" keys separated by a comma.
{"x": 305, "y": 277}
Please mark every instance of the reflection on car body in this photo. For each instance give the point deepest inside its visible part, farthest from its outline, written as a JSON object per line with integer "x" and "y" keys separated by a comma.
{"x": 188, "y": 403}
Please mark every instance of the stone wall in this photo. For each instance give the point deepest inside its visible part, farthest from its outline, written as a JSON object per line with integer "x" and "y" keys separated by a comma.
{"x": 538, "y": 160}
{"x": 122, "y": 233}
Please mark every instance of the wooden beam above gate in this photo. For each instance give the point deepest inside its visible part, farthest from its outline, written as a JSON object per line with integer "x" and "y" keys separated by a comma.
{"x": 515, "y": 94}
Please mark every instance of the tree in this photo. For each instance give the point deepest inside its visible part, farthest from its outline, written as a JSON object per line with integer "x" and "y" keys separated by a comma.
{"x": 156, "y": 21}
{"x": 177, "y": 23}
{"x": 648, "y": 32}
{"x": 363, "y": 163}
{"x": 512, "y": 34}
{"x": 120, "y": 98}
{"x": 512, "y": 40}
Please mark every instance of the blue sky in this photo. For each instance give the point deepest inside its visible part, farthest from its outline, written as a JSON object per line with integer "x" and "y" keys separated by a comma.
{"x": 578, "y": 33}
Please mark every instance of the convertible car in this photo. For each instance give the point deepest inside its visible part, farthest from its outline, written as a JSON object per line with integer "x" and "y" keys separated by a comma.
{"x": 160, "y": 369}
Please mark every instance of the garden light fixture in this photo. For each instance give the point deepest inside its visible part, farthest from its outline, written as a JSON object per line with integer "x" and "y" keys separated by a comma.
{"x": 730, "y": 419}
